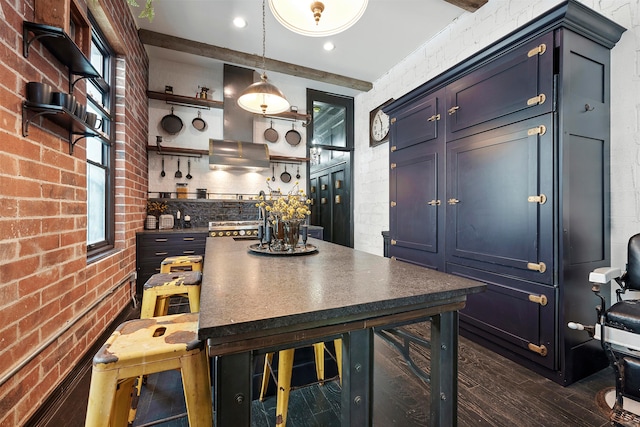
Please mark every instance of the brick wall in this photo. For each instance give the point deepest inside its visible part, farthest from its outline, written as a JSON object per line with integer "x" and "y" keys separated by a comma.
{"x": 470, "y": 33}
{"x": 46, "y": 283}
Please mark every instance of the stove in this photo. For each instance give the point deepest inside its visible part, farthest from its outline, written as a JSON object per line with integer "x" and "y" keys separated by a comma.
{"x": 233, "y": 228}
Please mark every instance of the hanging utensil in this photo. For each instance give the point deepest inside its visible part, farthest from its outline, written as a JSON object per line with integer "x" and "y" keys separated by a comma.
{"x": 189, "y": 169}
{"x": 171, "y": 123}
{"x": 285, "y": 176}
{"x": 293, "y": 136}
{"x": 178, "y": 174}
{"x": 162, "y": 174}
{"x": 271, "y": 134}
{"x": 298, "y": 173}
{"x": 273, "y": 171}
{"x": 199, "y": 122}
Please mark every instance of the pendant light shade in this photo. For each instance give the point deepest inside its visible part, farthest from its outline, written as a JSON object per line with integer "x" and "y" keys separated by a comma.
{"x": 263, "y": 98}
{"x": 317, "y": 18}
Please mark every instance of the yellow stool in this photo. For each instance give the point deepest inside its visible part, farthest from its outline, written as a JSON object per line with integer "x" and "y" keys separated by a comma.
{"x": 285, "y": 367}
{"x": 161, "y": 286}
{"x": 181, "y": 263}
{"x": 147, "y": 346}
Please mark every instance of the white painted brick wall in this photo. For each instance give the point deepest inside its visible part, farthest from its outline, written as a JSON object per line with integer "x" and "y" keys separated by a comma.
{"x": 468, "y": 34}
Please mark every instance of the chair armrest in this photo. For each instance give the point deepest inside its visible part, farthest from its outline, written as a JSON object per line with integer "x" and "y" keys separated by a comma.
{"x": 604, "y": 275}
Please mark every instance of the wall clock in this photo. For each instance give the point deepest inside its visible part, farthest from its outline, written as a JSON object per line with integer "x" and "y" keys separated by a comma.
{"x": 378, "y": 125}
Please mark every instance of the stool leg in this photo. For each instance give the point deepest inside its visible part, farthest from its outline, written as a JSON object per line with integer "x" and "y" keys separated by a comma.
{"x": 194, "y": 298}
{"x": 122, "y": 409}
{"x": 102, "y": 394}
{"x": 197, "y": 389}
{"x": 318, "y": 350}
{"x": 266, "y": 374}
{"x": 148, "y": 304}
{"x": 285, "y": 366}
{"x": 337, "y": 343}
{"x": 162, "y": 306}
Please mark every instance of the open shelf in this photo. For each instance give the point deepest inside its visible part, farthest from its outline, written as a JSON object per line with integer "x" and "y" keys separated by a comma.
{"x": 60, "y": 45}
{"x": 60, "y": 116}
{"x": 184, "y": 100}
{"x": 177, "y": 151}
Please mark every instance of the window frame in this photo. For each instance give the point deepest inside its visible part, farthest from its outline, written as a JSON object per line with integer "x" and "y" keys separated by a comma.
{"x": 105, "y": 84}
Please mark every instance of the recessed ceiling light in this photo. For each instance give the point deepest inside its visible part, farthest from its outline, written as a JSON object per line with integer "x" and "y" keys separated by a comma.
{"x": 239, "y": 22}
{"x": 329, "y": 46}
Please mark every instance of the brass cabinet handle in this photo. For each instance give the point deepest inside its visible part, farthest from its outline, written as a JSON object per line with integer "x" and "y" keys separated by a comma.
{"x": 393, "y": 166}
{"x": 540, "y": 267}
{"x": 538, "y": 50}
{"x": 453, "y": 110}
{"x": 539, "y": 299}
{"x": 337, "y": 199}
{"x": 393, "y": 204}
{"x": 393, "y": 148}
{"x": 434, "y": 118}
{"x": 188, "y": 252}
{"x": 161, "y": 253}
{"x": 537, "y": 199}
{"x": 323, "y": 201}
{"x": 434, "y": 203}
{"x": 188, "y": 239}
{"x": 537, "y": 99}
{"x": 161, "y": 240}
{"x": 453, "y": 201}
{"x": 539, "y": 130}
{"x": 540, "y": 349}
{"x": 394, "y": 242}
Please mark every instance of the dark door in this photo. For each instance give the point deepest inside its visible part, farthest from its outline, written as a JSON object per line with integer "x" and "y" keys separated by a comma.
{"x": 332, "y": 203}
{"x": 417, "y": 183}
{"x": 500, "y": 200}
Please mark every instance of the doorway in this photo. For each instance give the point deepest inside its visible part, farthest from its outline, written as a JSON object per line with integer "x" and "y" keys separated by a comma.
{"x": 330, "y": 150}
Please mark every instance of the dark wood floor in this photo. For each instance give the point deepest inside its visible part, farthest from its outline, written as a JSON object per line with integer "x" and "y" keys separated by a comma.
{"x": 493, "y": 391}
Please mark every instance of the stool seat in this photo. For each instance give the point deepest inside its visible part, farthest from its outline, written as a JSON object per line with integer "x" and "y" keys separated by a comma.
{"x": 161, "y": 286}
{"x": 147, "y": 346}
{"x": 181, "y": 263}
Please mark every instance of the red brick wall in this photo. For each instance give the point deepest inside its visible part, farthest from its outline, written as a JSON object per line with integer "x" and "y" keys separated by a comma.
{"x": 45, "y": 280}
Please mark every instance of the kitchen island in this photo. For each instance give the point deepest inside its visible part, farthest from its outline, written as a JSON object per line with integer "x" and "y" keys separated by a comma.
{"x": 253, "y": 303}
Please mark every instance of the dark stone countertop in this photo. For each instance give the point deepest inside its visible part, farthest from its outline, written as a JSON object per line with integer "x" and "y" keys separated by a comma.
{"x": 178, "y": 230}
{"x": 244, "y": 293}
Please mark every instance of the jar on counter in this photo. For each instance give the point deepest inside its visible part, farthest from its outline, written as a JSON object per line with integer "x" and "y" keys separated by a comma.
{"x": 182, "y": 190}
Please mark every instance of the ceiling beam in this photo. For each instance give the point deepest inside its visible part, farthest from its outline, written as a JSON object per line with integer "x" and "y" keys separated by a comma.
{"x": 223, "y": 54}
{"x": 468, "y": 5}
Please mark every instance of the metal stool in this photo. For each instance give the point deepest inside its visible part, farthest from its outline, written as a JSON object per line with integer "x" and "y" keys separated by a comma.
{"x": 285, "y": 367}
{"x": 181, "y": 263}
{"x": 147, "y": 346}
{"x": 161, "y": 286}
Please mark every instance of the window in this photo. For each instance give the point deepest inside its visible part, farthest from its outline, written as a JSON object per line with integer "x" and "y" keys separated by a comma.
{"x": 100, "y": 156}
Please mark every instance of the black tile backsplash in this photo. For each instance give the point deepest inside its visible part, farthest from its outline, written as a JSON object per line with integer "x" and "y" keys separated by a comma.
{"x": 203, "y": 211}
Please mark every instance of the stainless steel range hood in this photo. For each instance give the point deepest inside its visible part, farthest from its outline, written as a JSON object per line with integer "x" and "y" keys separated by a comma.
{"x": 237, "y": 154}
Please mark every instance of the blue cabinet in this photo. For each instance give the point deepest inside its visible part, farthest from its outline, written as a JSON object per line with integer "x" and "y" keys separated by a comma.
{"x": 499, "y": 172}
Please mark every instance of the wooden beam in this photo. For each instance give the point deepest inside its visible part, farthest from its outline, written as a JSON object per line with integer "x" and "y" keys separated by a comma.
{"x": 153, "y": 38}
{"x": 468, "y": 5}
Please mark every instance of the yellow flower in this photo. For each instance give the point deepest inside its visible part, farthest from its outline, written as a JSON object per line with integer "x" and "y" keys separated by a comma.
{"x": 293, "y": 205}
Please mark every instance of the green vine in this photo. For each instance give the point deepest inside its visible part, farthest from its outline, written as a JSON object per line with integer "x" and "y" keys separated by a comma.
{"x": 147, "y": 12}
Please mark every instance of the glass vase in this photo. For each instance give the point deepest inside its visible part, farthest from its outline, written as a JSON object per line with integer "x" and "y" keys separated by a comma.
{"x": 291, "y": 233}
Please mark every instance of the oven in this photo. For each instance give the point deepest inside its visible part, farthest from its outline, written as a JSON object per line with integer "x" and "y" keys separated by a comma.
{"x": 237, "y": 229}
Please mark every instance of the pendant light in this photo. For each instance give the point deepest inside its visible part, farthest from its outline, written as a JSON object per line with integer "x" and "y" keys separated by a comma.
{"x": 262, "y": 97}
{"x": 317, "y": 18}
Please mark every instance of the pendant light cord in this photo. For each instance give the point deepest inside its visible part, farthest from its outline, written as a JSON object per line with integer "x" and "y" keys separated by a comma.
{"x": 264, "y": 39}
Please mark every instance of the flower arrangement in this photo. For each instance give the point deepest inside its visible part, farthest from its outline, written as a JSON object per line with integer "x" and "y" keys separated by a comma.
{"x": 293, "y": 205}
{"x": 156, "y": 208}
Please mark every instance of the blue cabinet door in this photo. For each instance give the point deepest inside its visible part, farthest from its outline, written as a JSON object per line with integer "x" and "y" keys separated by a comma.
{"x": 500, "y": 199}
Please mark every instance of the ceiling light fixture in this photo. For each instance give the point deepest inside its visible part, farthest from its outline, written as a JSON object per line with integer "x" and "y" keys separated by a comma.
{"x": 317, "y": 18}
{"x": 239, "y": 22}
{"x": 262, "y": 97}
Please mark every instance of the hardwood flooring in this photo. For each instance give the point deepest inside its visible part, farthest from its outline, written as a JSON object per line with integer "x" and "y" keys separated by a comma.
{"x": 493, "y": 391}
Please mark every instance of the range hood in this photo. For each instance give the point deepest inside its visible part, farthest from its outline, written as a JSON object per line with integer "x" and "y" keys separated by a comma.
{"x": 237, "y": 154}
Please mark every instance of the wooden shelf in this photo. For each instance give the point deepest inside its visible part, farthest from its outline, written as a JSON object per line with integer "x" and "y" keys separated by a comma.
{"x": 288, "y": 115}
{"x": 192, "y": 152}
{"x": 187, "y": 101}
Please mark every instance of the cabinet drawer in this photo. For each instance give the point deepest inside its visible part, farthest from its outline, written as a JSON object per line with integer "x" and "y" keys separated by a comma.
{"x": 506, "y": 90}
{"x": 418, "y": 122}
{"x": 156, "y": 240}
{"x": 516, "y": 314}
